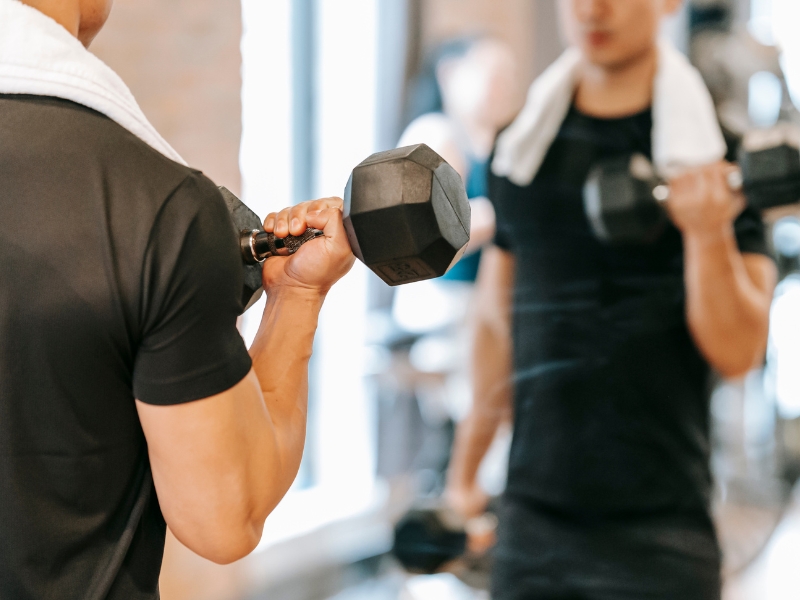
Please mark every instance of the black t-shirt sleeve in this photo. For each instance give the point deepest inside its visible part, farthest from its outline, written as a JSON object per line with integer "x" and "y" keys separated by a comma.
{"x": 191, "y": 296}
{"x": 498, "y": 192}
{"x": 751, "y": 233}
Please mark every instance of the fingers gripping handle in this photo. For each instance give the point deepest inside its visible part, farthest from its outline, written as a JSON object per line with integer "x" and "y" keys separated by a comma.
{"x": 258, "y": 245}
{"x": 735, "y": 182}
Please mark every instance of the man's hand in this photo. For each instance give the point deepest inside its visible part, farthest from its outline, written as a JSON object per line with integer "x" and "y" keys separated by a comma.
{"x": 701, "y": 203}
{"x": 467, "y": 501}
{"x": 319, "y": 263}
{"x": 470, "y": 503}
{"x": 728, "y": 294}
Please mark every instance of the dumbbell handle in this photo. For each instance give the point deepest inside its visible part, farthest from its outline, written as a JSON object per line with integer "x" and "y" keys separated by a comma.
{"x": 735, "y": 182}
{"x": 258, "y": 245}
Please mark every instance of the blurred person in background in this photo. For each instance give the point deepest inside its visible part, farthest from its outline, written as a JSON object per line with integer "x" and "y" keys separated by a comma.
{"x": 128, "y": 400}
{"x": 607, "y": 351}
{"x": 466, "y": 91}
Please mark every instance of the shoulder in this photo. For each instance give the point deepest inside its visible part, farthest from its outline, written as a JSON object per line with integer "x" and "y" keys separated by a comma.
{"x": 100, "y": 169}
{"x": 503, "y": 189}
{"x": 71, "y": 136}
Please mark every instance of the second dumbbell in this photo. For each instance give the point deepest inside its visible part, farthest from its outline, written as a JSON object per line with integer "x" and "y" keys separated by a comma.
{"x": 624, "y": 198}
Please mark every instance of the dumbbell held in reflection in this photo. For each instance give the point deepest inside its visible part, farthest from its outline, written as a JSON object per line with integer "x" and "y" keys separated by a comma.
{"x": 406, "y": 215}
{"x": 624, "y": 198}
{"x": 429, "y": 537}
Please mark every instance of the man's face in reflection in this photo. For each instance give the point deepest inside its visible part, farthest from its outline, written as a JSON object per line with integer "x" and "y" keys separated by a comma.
{"x": 611, "y": 33}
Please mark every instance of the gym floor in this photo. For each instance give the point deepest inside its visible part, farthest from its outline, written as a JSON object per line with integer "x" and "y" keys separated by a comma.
{"x": 773, "y": 575}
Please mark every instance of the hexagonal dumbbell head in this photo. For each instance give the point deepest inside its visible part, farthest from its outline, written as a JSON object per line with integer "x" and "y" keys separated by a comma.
{"x": 619, "y": 203}
{"x": 406, "y": 214}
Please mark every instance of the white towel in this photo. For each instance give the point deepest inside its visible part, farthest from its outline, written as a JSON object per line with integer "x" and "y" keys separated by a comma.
{"x": 686, "y": 132}
{"x": 38, "y": 56}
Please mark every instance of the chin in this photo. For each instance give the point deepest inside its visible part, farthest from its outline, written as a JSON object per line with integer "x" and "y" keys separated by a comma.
{"x": 602, "y": 57}
{"x": 606, "y": 57}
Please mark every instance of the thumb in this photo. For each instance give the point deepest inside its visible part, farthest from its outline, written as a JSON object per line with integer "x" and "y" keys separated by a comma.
{"x": 331, "y": 223}
{"x": 328, "y": 220}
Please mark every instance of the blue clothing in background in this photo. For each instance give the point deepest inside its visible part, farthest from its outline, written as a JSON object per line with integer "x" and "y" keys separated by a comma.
{"x": 477, "y": 186}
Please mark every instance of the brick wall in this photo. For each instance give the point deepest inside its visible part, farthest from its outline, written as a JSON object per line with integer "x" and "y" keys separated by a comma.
{"x": 181, "y": 60}
{"x": 529, "y": 26}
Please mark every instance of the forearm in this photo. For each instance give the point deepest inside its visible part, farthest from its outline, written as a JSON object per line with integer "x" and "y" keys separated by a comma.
{"x": 727, "y": 312}
{"x": 490, "y": 407}
{"x": 281, "y": 351}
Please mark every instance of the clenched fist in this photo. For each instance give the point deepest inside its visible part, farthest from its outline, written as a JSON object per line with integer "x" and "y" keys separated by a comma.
{"x": 701, "y": 202}
{"x": 319, "y": 263}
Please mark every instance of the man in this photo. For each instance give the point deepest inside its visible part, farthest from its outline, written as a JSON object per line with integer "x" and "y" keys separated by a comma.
{"x": 128, "y": 401}
{"x": 607, "y": 350}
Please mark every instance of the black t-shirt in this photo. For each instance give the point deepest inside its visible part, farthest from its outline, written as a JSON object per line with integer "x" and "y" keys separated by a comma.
{"x": 611, "y": 393}
{"x": 119, "y": 279}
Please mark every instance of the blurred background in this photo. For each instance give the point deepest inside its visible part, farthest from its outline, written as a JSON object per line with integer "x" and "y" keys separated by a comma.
{"x": 278, "y": 100}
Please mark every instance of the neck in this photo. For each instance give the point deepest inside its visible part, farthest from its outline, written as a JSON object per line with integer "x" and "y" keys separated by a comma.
{"x": 64, "y": 12}
{"x": 618, "y": 90}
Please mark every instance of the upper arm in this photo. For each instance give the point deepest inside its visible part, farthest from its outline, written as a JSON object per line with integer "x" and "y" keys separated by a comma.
{"x": 494, "y": 287}
{"x": 199, "y": 409}
{"x": 495, "y": 281}
{"x": 751, "y": 239}
{"x": 198, "y": 452}
{"x": 190, "y": 297}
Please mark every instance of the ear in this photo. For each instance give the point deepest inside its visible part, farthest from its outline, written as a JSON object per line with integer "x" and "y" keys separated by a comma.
{"x": 93, "y": 15}
{"x": 672, "y": 6}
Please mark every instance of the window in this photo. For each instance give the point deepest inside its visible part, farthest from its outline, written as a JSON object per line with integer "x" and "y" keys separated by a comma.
{"x": 311, "y": 84}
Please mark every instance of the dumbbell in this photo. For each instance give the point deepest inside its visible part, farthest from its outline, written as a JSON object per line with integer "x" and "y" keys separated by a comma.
{"x": 624, "y": 198}
{"x": 405, "y": 212}
{"x": 428, "y": 537}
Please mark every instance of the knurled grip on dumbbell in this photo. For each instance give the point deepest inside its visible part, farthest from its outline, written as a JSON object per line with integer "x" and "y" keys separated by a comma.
{"x": 257, "y": 245}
